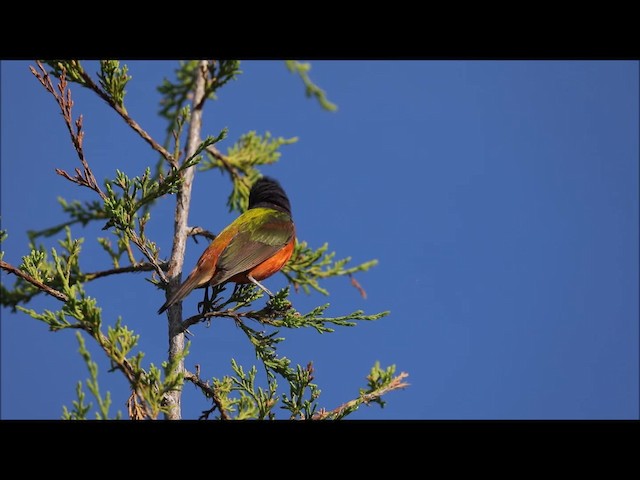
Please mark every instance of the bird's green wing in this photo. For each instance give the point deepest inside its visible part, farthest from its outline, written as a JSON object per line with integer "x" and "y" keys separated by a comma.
{"x": 263, "y": 232}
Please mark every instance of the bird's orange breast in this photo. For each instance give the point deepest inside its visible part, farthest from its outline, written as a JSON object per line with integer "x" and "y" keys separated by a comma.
{"x": 270, "y": 266}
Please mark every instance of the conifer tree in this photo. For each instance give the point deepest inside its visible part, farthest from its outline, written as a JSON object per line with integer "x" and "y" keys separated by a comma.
{"x": 124, "y": 205}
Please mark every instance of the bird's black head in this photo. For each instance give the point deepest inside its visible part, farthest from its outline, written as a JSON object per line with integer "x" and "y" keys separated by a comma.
{"x": 267, "y": 192}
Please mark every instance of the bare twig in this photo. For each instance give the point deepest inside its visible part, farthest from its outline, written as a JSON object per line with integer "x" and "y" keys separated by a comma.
{"x": 209, "y": 392}
{"x": 135, "y": 407}
{"x": 356, "y": 284}
{"x": 63, "y": 98}
{"x": 233, "y": 171}
{"x": 86, "y": 177}
{"x": 366, "y": 398}
{"x": 54, "y": 293}
{"x": 195, "y": 231}
{"x": 140, "y": 267}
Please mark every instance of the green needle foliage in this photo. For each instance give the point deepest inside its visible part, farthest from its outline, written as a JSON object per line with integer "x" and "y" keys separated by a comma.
{"x": 113, "y": 79}
{"x": 310, "y": 88}
{"x": 241, "y": 162}
{"x": 124, "y": 206}
{"x": 80, "y": 410}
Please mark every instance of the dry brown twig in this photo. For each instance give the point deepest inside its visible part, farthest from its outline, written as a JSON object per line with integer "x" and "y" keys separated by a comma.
{"x": 226, "y": 163}
{"x": 356, "y": 284}
{"x": 129, "y": 121}
{"x": 83, "y": 178}
{"x": 135, "y": 407}
{"x": 209, "y": 391}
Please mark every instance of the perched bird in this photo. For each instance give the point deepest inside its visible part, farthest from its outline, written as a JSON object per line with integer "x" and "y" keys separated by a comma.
{"x": 253, "y": 247}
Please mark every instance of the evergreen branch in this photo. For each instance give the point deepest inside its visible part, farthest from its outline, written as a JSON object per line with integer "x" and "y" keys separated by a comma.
{"x": 12, "y": 298}
{"x": 84, "y": 79}
{"x": 174, "y": 99}
{"x": 280, "y": 313}
{"x": 209, "y": 392}
{"x": 225, "y": 161}
{"x": 219, "y": 73}
{"x": 113, "y": 80}
{"x": 115, "y": 345}
{"x": 112, "y": 206}
{"x": 120, "y": 363}
{"x": 242, "y": 160}
{"x": 175, "y": 94}
{"x": 311, "y": 89}
{"x": 183, "y": 202}
{"x": 92, "y": 382}
{"x": 306, "y": 267}
{"x": 366, "y": 398}
{"x": 299, "y": 382}
{"x": 54, "y": 293}
{"x": 80, "y": 409}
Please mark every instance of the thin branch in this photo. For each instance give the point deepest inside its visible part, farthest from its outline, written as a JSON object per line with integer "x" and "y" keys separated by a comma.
{"x": 140, "y": 267}
{"x": 54, "y": 293}
{"x": 233, "y": 171}
{"x": 395, "y": 384}
{"x": 195, "y": 231}
{"x": 229, "y": 313}
{"x": 356, "y": 284}
{"x": 209, "y": 391}
{"x": 130, "y": 121}
{"x": 258, "y": 315}
{"x": 121, "y": 364}
{"x": 145, "y": 251}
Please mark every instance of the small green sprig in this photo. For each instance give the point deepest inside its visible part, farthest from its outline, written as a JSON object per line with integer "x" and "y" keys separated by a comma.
{"x": 73, "y": 70}
{"x": 307, "y": 266}
{"x": 241, "y": 162}
{"x": 104, "y": 402}
{"x": 303, "y": 394}
{"x": 310, "y": 88}
{"x": 380, "y": 382}
{"x": 80, "y": 409}
{"x": 113, "y": 79}
{"x": 252, "y": 403}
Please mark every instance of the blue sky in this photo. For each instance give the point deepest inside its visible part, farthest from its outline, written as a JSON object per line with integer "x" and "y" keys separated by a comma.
{"x": 500, "y": 198}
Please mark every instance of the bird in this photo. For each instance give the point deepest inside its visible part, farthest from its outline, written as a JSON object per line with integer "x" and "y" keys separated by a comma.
{"x": 253, "y": 247}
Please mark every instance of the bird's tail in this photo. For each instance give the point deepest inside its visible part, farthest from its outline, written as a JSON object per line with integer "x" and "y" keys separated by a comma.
{"x": 194, "y": 280}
